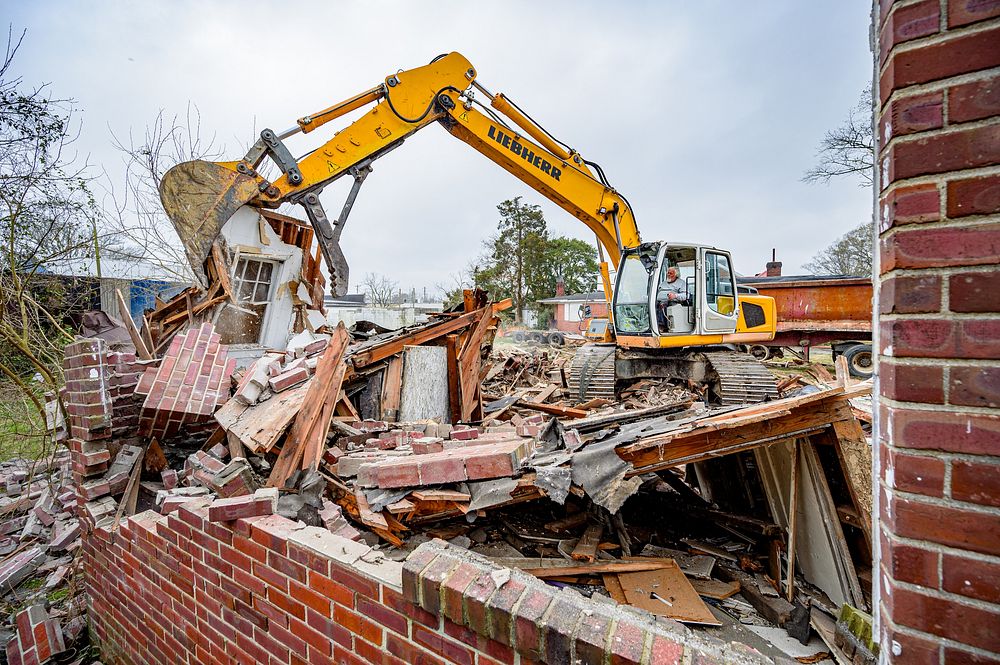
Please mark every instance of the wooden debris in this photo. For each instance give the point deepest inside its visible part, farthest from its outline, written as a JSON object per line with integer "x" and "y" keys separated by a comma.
{"x": 439, "y": 495}
{"x": 261, "y": 426}
{"x": 304, "y": 444}
{"x": 586, "y": 547}
{"x": 141, "y": 351}
{"x": 715, "y": 589}
{"x": 668, "y": 593}
{"x": 547, "y": 568}
{"x": 553, "y": 409}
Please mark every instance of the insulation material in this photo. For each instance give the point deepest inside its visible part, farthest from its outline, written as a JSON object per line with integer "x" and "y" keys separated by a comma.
{"x": 424, "y": 393}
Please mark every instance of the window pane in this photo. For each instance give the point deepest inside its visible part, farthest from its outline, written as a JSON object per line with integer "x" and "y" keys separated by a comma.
{"x": 261, "y": 294}
{"x": 246, "y": 291}
{"x": 719, "y": 284}
{"x": 632, "y": 297}
{"x": 265, "y": 272}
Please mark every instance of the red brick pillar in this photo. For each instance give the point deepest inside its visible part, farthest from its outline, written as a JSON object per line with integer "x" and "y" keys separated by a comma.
{"x": 938, "y": 425}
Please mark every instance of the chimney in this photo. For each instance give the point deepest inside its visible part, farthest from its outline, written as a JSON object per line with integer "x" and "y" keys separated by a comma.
{"x": 773, "y": 267}
{"x": 560, "y": 288}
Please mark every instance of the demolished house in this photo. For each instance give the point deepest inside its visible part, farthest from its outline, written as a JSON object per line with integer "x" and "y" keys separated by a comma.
{"x": 261, "y": 485}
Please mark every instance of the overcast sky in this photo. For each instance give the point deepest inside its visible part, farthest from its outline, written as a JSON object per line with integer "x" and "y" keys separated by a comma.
{"x": 703, "y": 114}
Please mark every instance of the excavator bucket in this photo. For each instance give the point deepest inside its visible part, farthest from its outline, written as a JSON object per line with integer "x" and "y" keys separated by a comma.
{"x": 199, "y": 197}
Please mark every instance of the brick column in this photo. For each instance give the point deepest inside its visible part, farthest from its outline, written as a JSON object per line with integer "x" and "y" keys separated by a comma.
{"x": 938, "y": 426}
{"x": 103, "y": 414}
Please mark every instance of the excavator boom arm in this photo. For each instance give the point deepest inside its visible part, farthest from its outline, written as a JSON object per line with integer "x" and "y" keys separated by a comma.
{"x": 199, "y": 197}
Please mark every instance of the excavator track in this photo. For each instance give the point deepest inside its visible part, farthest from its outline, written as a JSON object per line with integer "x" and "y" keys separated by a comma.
{"x": 592, "y": 372}
{"x": 742, "y": 379}
{"x": 731, "y": 377}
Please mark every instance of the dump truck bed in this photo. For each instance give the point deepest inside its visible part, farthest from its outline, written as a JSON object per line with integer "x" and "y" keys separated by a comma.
{"x": 820, "y": 309}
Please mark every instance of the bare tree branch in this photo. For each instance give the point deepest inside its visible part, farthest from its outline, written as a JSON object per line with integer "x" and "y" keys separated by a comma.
{"x": 379, "y": 289}
{"x": 851, "y": 254}
{"x": 849, "y": 149}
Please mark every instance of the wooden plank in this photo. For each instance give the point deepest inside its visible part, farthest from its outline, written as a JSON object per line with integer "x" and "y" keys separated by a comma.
{"x": 855, "y": 455}
{"x": 544, "y": 394}
{"x": 367, "y": 515}
{"x": 776, "y": 610}
{"x": 401, "y": 506}
{"x": 843, "y": 374}
{"x": 705, "y": 439}
{"x": 553, "y": 566}
{"x": 568, "y": 522}
{"x": 440, "y": 495}
{"x": 343, "y": 406}
{"x": 220, "y": 266}
{"x": 468, "y": 300}
{"x": 394, "y": 346}
{"x": 552, "y": 409}
{"x": 392, "y": 381}
{"x": 470, "y": 361}
{"x": 591, "y": 423}
{"x": 715, "y": 589}
{"x": 308, "y": 432}
{"x": 148, "y": 333}
{"x": 140, "y": 346}
{"x": 586, "y": 547}
{"x": 614, "y": 587}
{"x": 260, "y": 427}
{"x": 666, "y": 592}
{"x": 717, "y": 552}
{"x": 793, "y": 511}
{"x": 455, "y": 405}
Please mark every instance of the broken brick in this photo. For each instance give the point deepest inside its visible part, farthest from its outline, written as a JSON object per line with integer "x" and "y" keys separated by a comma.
{"x": 289, "y": 379}
{"x": 234, "y": 508}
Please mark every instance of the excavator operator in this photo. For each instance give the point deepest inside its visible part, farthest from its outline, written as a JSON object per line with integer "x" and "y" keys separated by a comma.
{"x": 672, "y": 291}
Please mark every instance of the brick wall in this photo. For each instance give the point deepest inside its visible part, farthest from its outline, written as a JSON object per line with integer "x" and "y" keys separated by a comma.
{"x": 938, "y": 427}
{"x": 179, "y": 588}
{"x": 565, "y": 312}
{"x": 189, "y": 384}
{"x": 102, "y": 414}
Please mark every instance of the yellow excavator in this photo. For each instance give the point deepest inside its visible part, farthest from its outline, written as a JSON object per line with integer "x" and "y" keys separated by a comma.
{"x": 674, "y": 307}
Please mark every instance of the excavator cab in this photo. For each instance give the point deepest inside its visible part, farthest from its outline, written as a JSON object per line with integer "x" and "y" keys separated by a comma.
{"x": 674, "y": 295}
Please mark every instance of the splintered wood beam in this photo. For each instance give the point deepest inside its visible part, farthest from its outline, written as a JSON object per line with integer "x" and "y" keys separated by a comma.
{"x": 395, "y": 346}
{"x": 454, "y": 378}
{"x": 133, "y": 332}
{"x": 736, "y": 431}
{"x": 855, "y": 454}
{"x": 469, "y": 362}
{"x": 303, "y": 447}
{"x": 552, "y": 409}
{"x": 392, "y": 379}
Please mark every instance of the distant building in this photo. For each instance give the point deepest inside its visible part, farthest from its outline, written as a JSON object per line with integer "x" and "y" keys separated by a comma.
{"x": 573, "y": 309}
{"x": 140, "y": 283}
{"x": 353, "y": 307}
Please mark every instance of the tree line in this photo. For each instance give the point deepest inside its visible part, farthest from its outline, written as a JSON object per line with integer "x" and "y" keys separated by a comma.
{"x": 523, "y": 262}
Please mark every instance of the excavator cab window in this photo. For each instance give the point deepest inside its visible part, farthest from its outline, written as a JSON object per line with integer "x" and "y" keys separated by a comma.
{"x": 719, "y": 287}
{"x": 632, "y": 293}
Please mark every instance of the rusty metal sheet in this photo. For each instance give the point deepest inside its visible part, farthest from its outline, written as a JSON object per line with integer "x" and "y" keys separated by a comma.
{"x": 822, "y": 301}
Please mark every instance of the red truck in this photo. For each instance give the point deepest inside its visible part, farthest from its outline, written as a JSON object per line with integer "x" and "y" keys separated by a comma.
{"x": 812, "y": 310}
